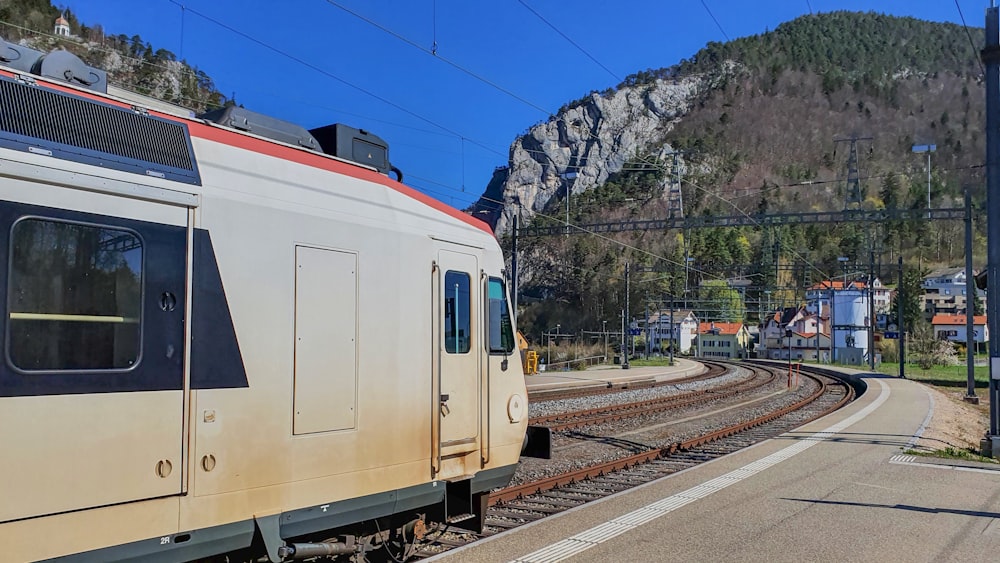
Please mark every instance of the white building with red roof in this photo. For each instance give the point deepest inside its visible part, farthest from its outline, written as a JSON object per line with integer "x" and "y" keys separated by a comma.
{"x": 952, "y": 328}
{"x": 62, "y": 27}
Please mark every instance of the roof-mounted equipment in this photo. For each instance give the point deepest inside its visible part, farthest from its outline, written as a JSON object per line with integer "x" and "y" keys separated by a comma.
{"x": 262, "y": 125}
{"x": 17, "y": 56}
{"x": 65, "y": 66}
{"x": 356, "y": 145}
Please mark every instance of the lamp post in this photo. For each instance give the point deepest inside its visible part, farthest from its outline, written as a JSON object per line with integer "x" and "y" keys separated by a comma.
{"x": 604, "y": 329}
{"x": 927, "y": 149}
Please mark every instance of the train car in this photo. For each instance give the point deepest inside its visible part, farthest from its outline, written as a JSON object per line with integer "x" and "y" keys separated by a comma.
{"x": 227, "y": 335}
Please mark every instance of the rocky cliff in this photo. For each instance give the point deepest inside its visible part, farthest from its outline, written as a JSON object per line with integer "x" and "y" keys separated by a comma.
{"x": 583, "y": 145}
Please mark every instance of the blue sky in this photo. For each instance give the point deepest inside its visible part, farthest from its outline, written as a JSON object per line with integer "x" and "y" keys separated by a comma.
{"x": 313, "y": 62}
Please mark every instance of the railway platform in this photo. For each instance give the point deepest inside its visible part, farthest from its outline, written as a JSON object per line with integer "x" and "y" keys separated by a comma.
{"x": 611, "y": 376}
{"x": 840, "y": 488}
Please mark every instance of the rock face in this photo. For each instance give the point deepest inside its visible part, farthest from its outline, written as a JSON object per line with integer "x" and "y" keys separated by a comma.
{"x": 580, "y": 147}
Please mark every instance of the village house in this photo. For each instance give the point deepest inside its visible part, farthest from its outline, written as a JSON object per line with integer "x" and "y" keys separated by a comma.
{"x": 952, "y": 328}
{"x": 661, "y": 331}
{"x": 723, "y": 340}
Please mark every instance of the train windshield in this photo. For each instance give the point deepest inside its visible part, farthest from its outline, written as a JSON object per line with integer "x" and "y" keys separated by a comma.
{"x": 501, "y": 328}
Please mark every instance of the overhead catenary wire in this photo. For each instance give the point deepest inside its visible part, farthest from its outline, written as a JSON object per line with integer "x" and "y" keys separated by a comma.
{"x": 969, "y": 35}
{"x": 438, "y": 56}
{"x": 329, "y": 74}
{"x": 571, "y": 42}
{"x": 717, "y": 24}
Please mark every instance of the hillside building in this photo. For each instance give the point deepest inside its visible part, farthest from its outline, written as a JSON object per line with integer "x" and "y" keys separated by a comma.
{"x": 945, "y": 293}
{"x": 62, "y": 27}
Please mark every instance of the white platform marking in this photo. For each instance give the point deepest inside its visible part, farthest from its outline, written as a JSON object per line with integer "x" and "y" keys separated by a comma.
{"x": 912, "y": 461}
{"x": 585, "y": 540}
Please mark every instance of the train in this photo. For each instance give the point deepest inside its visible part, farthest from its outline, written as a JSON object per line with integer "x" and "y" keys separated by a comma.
{"x": 230, "y": 338}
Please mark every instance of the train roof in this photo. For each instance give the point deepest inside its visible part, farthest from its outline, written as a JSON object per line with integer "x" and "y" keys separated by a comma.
{"x": 142, "y": 136}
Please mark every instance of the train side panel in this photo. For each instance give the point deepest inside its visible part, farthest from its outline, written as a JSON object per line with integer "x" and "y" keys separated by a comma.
{"x": 312, "y": 255}
{"x": 315, "y": 347}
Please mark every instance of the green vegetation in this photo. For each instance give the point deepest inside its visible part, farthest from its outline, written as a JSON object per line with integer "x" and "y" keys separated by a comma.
{"x": 139, "y": 66}
{"x": 943, "y": 376}
{"x": 952, "y": 453}
{"x": 767, "y": 125}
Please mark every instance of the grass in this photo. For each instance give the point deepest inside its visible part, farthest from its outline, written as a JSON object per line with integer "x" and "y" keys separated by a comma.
{"x": 942, "y": 376}
{"x": 657, "y": 362}
{"x": 952, "y": 453}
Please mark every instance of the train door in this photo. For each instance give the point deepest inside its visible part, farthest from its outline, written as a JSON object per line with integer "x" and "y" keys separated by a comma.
{"x": 92, "y": 375}
{"x": 458, "y": 359}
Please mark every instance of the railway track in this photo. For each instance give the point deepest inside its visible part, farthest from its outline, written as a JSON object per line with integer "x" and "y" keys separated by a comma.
{"x": 528, "y": 502}
{"x": 760, "y": 377}
{"x": 712, "y": 370}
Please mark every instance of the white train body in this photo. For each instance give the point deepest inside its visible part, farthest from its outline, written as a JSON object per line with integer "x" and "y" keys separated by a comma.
{"x": 294, "y": 342}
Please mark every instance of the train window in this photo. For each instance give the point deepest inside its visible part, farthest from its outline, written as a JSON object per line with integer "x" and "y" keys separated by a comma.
{"x": 501, "y": 329}
{"x": 74, "y": 297}
{"x": 457, "y": 319}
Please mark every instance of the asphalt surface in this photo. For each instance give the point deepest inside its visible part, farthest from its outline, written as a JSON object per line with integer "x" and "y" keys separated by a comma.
{"x": 847, "y": 495}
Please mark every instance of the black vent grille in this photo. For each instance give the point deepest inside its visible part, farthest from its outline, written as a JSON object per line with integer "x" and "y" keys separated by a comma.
{"x": 87, "y": 131}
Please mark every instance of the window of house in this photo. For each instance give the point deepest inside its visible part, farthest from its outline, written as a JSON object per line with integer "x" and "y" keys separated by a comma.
{"x": 457, "y": 318}
{"x": 501, "y": 328}
{"x": 74, "y": 297}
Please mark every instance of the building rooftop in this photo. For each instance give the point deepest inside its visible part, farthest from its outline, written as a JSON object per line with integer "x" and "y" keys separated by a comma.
{"x": 957, "y": 320}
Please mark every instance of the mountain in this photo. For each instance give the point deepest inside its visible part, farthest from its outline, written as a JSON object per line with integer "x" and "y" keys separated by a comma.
{"x": 131, "y": 63}
{"x": 750, "y": 126}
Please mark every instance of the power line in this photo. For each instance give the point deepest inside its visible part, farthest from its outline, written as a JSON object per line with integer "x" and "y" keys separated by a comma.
{"x": 571, "y": 42}
{"x": 969, "y": 35}
{"x": 717, "y": 24}
{"x": 329, "y": 74}
{"x": 439, "y": 57}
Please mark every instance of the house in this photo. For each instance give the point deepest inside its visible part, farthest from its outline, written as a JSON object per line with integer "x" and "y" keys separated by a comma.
{"x": 945, "y": 292}
{"x": 952, "y": 328}
{"x": 723, "y": 340}
{"x": 804, "y": 346}
{"x": 808, "y": 329}
{"x": 682, "y": 329}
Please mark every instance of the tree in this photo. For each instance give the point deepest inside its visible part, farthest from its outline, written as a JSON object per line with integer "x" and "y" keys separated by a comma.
{"x": 913, "y": 313}
{"x": 719, "y": 301}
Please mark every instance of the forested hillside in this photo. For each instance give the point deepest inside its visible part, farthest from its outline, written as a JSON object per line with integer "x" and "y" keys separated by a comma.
{"x": 131, "y": 62}
{"x": 761, "y": 137}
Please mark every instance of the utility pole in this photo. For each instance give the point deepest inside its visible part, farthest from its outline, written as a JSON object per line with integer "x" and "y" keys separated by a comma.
{"x": 624, "y": 316}
{"x": 646, "y": 347}
{"x": 671, "y": 329}
{"x": 513, "y": 267}
{"x": 970, "y": 300}
{"x": 991, "y": 58}
{"x": 675, "y": 199}
{"x": 604, "y": 329}
{"x": 871, "y": 304}
{"x": 854, "y": 192}
{"x": 899, "y": 320}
